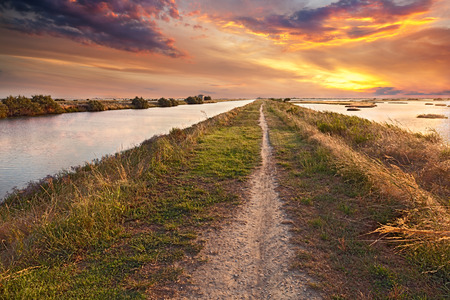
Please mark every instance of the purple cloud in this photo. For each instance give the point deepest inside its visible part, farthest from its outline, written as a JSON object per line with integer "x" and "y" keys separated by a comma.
{"x": 440, "y": 93}
{"x": 387, "y": 91}
{"x": 125, "y": 25}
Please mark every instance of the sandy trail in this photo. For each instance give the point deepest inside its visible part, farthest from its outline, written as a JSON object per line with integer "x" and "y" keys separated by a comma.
{"x": 250, "y": 257}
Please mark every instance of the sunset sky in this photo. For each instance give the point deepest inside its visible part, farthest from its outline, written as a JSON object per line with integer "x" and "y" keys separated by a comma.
{"x": 226, "y": 48}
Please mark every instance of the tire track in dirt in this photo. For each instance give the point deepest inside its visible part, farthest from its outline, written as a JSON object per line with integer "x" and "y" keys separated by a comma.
{"x": 250, "y": 257}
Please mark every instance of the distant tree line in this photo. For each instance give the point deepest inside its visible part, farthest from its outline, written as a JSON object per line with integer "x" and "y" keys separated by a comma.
{"x": 20, "y": 106}
{"x": 16, "y": 106}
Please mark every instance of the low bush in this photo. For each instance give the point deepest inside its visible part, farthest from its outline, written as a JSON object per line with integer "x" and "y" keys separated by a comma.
{"x": 47, "y": 104}
{"x": 94, "y": 105}
{"x": 163, "y": 102}
{"x": 194, "y": 100}
{"x": 140, "y": 103}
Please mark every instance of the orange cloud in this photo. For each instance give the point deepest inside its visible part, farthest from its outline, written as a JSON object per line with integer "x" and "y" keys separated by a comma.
{"x": 413, "y": 63}
{"x": 336, "y": 24}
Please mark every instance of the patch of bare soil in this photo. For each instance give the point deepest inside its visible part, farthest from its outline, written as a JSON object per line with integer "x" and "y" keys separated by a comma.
{"x": 250, "y": 257}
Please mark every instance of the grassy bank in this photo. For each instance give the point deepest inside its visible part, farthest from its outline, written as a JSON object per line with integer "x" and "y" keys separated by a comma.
{"x": 116, "y": 228}
{"x": 369, "y": 204}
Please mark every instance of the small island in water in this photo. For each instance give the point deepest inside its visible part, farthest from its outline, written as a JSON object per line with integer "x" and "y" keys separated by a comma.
{"x": 432, "y": 116}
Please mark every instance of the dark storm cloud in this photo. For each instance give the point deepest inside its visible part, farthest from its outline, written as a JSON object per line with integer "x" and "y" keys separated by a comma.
{"x": 125, "y": 25}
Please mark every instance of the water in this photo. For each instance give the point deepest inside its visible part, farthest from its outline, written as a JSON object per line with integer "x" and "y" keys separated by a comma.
{"x": 402, "y": 115}
{"x": 34, "y": 147}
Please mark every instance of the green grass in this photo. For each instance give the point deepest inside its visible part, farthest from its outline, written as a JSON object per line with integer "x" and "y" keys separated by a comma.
{"x": 116, "y": 228}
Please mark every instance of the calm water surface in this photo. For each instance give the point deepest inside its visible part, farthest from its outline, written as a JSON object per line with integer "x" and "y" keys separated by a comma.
{"x": 32, "y": 148}
{"x": 403, "y": 115}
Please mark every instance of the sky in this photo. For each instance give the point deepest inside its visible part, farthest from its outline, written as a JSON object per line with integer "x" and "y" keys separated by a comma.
{"x": 226, "y": 49}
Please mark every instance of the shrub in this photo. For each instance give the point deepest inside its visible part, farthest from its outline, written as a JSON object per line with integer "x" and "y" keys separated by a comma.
{"x": 47, "y": 104}
{"x": 21, "y": 106}
{"x": 3, "y": 110}
{"x": 94, "y": 105}
{"x": 287, "y": 99}
{"x": 140, "y": 103}
{"x": 208, "y": 98}
{"x": 194, "y": 100}
{"x": 163, "y": 102}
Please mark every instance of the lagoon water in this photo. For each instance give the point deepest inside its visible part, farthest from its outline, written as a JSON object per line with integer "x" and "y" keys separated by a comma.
{"x": 402, "y": 115}
{"x": 34, "y": 147}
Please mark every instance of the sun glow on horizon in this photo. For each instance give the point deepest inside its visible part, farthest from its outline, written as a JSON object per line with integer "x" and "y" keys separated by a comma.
{"x": 341, "y": 78}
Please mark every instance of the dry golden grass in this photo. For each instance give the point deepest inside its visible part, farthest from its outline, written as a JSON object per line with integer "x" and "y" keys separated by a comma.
{"x": 411, "y": 168}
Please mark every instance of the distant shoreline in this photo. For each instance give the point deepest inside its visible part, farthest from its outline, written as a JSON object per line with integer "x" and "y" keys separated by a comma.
{"x": 61, "y": 106}
{"x": 362, "y": 101}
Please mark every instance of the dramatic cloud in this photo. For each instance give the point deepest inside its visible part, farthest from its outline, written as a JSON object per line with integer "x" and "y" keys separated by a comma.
{"x": 121, "y": 24}
{"x": 339, "y": 22}
{"x": 255, "y": 8}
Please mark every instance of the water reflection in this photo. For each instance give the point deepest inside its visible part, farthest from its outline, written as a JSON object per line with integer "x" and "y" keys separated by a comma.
{"x": 403, "y": 115}
{"x": 32, "y": 148}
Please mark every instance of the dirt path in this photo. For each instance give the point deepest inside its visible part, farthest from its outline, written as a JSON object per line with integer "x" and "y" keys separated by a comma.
{"x": 250, "y": 257}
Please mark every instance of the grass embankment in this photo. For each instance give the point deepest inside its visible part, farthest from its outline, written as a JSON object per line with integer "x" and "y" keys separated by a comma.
{"x": 117, "y": 228}
{"x": 369, "y": 204}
